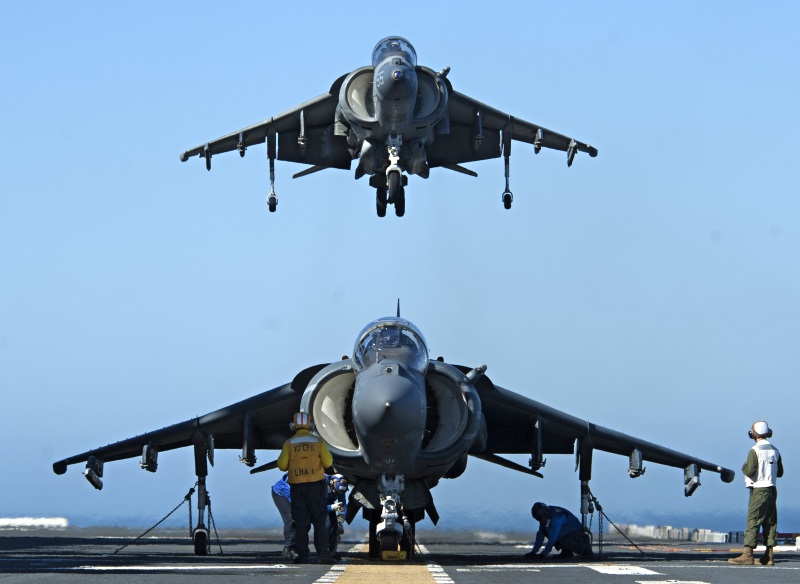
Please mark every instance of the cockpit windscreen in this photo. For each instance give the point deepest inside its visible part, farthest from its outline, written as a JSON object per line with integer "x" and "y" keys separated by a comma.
{"x": 391, "y": 340}
{"x": 394, "y": 46}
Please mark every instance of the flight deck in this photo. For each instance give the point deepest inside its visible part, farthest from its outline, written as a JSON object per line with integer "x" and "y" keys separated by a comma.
{"x": 442, "y": 558}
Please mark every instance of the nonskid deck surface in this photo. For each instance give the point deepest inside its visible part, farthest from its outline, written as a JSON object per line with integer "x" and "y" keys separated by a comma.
{"x": 460, "y": 557}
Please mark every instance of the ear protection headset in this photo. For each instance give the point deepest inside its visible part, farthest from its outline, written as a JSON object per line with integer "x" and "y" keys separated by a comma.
{"x": 759, "y": 429}
{"x": 339, "y": 483}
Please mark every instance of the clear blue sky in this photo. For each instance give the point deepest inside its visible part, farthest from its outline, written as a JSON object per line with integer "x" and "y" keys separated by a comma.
{"x": 654, "y": 289}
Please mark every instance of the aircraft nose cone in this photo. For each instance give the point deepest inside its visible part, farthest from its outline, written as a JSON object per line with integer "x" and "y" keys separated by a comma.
{"x": 389, "y": 407}
{"x": 396, "y": 81}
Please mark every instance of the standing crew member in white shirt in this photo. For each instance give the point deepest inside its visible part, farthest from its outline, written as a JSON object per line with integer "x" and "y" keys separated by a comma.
{"x": 761, "y": 471}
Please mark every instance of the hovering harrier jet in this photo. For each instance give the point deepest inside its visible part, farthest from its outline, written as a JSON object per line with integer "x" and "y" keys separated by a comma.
{"x": 396, "y": 422}
{"x": 394, "y": 118}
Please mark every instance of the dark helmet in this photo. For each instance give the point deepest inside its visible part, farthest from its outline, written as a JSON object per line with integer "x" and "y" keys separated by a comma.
{"x": 537, "y": 509}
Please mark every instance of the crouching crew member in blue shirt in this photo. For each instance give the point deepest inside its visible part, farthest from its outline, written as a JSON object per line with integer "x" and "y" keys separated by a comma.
{"x": 563, "y": 531}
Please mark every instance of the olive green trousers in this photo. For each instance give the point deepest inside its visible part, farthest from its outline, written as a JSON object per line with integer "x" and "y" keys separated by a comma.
{"x": 762, "y": 511}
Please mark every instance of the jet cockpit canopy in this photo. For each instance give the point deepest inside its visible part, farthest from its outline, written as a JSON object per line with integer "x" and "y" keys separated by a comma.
{"x": 394, "y": 46}
{"x": 391, "y": 338}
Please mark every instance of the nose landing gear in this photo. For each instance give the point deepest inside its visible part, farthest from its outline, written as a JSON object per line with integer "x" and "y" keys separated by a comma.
{"x": 393, "y": 537}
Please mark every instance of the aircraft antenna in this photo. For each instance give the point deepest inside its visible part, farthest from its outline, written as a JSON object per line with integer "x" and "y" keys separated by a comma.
{"x": 398, "y": 308}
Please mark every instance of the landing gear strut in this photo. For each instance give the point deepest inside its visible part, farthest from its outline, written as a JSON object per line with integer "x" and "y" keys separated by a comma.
{"x": 391, "y": 541}
{"x": 395, "y": 181}
{"x": 394, "y": 530}
{"x": 272, "y": 199}
{"x": 507, "y": 196}
{"x": 200, "y": 533}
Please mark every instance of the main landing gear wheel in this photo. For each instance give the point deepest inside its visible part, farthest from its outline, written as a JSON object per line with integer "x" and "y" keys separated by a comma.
{"x": 272, "y": 203}
{"x": 400, "y": 203}
{"x": 507, "y": 198}
{"x": 395, "y": 184}
{"x": 380, "y": 201}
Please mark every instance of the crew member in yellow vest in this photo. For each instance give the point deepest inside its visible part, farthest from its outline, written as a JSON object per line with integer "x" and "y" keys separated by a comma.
{"x": 305, "y": 457}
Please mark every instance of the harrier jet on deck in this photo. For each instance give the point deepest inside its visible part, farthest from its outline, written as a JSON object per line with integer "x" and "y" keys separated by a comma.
{"x": 394, "y": 118}
{"x": 396, "y": 422}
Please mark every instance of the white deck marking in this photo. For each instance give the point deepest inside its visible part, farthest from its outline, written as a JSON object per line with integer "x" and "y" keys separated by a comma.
{"x": 623, "y": 570}
{"x": 671, "y": 582}
{"x": 438, "y": 573}
{"x": 335, "y": 571}
{"x": 151, "y": 568}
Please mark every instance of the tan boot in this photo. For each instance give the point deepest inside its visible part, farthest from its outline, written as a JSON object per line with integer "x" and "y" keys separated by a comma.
{"x": 767, "y": 559}
{"x": 746, "y": 559}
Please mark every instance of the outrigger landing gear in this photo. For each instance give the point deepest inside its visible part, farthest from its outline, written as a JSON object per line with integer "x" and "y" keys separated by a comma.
{"x": 585, "y": 475}
{"x": 507, "y": 196}
{"x": 200, "y": 538}
{"x": 272, "y": 199}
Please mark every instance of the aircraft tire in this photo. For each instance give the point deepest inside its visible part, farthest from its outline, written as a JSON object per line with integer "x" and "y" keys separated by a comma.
{"x": 200, "y": 543}
{"x": 380, "y": 201}
{"x": 400, "y": 203}
{"x": 395, "y": 186}
{"x": 389, "y": 542}
{"x": 507, "y": 201}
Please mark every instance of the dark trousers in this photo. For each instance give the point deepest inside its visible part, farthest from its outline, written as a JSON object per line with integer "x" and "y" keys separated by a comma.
{"x": 575, "y": 542}
{"x": 332, "y": 526}
{"x": 309, "y": 508}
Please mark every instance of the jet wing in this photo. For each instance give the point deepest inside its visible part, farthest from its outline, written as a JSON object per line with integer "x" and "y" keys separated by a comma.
{"x": 512, "y": 419}
{"x": 269, "y": 413}
{"x": 304, "y": 134}
{"x": 459, "y": 146}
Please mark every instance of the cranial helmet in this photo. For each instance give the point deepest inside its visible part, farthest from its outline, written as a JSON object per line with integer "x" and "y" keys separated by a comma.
{"x": 339, "y": 483}
{"x": 760, "y": 429}
{"x": 537, "y": 509}
{"x": 301, "y": 420}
